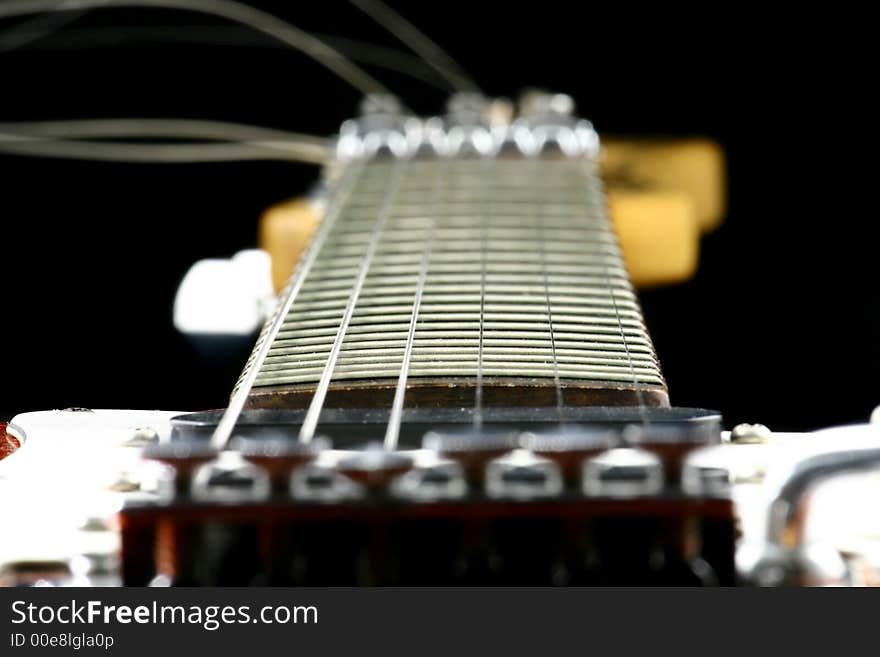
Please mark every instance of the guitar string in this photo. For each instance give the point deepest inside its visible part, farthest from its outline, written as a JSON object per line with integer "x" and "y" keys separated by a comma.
{"x": 152, "y": 128}
{"x": 310, "y": 422}
{"x": 224, "y": 141}
{"x": 304, "y": 152}
{"x": 271, "y": 329}
{"x": 114, "y": 36}
{"x": 484, "y": 245}
{"x": 419, "y": 43}
{"x": 232, "y": 10}
{"x": 539, "y": 224}
{"x": 594, "y": 187}
{"x": 392, "y": 433}
{"x": 35, "y": 29}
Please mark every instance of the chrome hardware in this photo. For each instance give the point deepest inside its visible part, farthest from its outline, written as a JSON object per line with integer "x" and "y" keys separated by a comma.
{"x": 182, "y": 460}
{"x": 472, "y": 449}
{"x": 312, "y": 483}
{"x": 141, "y": 437}
{"x": 785, "y": 555}
{"x": 279, "y": 456}
{"x": 523, "y": 475}
{"x": 373, "y": 467}
{"x": 536, "y": 104}
{"x": 791, "y": 489}
{"x": 34, "y": 574}
{"x": 749, "y": 434}
{"x": 569, "y": 446}
{"x": 623, "y": 472}
{"x": 238, "y": 481}
{"x": 381, "y": 128}
{"x": 473, "y": 126}
{"x": 376, "y": 105}
{"x": 431, "y": 480}
{"x": 124, "y": 482}
{"x": 547, "y": 123}
{"x": 701, "y": 480}
{"x": 807, "y": 565}
{"x": 466, "y": 129}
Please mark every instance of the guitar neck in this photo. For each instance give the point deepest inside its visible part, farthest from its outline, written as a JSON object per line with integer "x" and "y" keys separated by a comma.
{"x": 479, "y": 280}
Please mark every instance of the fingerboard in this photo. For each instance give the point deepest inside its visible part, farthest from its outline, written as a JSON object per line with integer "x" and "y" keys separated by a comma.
{"x": 492, "y": 273}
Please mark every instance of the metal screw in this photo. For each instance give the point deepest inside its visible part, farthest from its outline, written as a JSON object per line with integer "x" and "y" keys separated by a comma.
{"x": 141, "y": 437}
{"x": 539, "y": 104}
{"x": 124, "y": 482}
{"x": 380, "y": 104}
{"x": 749, "y": 434}
{"x": 94, "y": 524}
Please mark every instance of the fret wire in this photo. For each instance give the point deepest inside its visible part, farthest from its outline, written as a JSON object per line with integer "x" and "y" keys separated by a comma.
{"x": 431, "y": 342}
{"x": 226, "y": 425}
{"x": 387, "y": 296}
{"x": 461, "y": 336}
{"x": 310, "y": 422}
{"x": 456, "y": 370}
{"x": 334, "y": 284}
{"x": 464, "y": 355}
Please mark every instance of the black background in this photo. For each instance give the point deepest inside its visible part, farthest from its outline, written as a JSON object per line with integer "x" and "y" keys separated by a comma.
{"x": 780, "y": 325}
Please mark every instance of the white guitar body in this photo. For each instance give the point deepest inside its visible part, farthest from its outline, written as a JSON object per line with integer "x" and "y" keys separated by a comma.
{"x": 63, "y": 486}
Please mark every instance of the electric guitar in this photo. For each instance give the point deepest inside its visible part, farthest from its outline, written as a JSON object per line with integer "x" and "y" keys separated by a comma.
{"x": 455, "y": 387}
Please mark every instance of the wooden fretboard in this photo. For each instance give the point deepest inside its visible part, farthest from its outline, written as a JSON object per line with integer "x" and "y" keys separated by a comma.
{"x": 510, "y": 267}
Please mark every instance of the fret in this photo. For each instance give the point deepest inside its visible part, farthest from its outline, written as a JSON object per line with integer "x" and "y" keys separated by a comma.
{"x": 565, "y": 310}
{"x": 463, "y": 292}
{"x": 456, "y": 370}
{"x": 438, "y": 345}
{"x": 456, "y": 330}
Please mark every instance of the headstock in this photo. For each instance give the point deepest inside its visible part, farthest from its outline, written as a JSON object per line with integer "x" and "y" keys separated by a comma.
{"x": 663, "y": 194}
